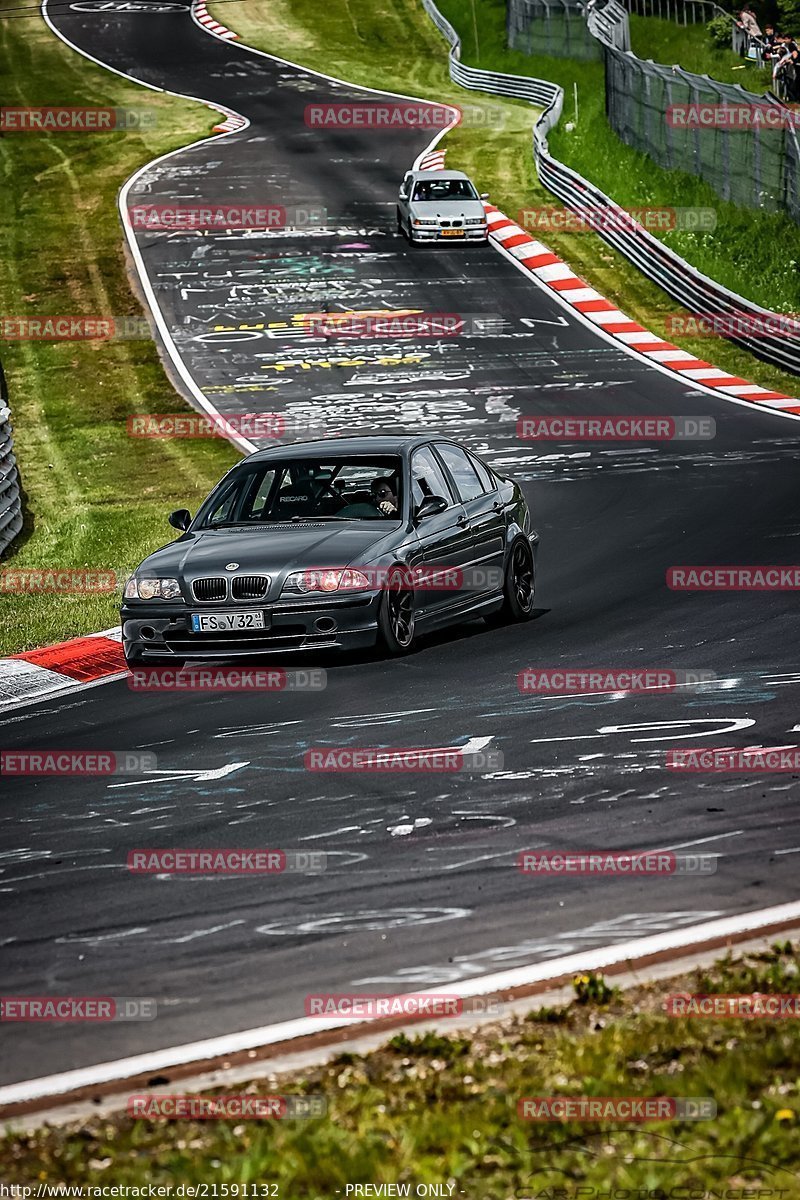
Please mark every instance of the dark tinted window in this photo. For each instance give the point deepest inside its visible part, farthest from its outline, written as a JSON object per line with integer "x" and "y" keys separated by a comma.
{"x": 427, "y": 478}
{"x": 484, "y": 474}
{"x": 468, "y": 485}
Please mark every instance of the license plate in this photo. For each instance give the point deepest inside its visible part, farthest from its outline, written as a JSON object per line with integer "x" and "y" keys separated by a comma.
{"x": 452, "y": 233}
{"x": 222, "y": 621}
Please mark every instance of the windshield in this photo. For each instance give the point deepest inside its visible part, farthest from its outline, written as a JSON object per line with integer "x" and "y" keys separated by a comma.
{"x": 329, "y": 489}
{"x": 445, "y": 189}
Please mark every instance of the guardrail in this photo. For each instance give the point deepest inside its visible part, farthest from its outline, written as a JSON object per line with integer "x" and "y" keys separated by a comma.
{"x": 684, "y": 12}
{"x": 10, "y": 500}
{"x": 679, "y": 279}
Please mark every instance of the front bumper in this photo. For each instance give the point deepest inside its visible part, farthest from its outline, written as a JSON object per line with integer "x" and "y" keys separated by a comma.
{"x": 159, "y": 631}
{"x": 440, "y": 233}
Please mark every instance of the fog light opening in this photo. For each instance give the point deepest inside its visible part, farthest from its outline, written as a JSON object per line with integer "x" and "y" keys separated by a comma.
{"x": 147, "y": 632}
{"x": 325, "y": 625}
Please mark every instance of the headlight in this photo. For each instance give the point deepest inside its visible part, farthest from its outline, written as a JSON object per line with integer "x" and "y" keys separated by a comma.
{"x": 475, "y": 220}
{"x": 152, "y": 589}
{"x": 332, "y": 579}
{"x": 417, "y": 221}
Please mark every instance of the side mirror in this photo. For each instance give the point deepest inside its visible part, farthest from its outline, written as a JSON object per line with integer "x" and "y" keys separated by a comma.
{"x": 484, "y": 195}
{"x": 180, "y": 519}
{"x": 429, "y": 507}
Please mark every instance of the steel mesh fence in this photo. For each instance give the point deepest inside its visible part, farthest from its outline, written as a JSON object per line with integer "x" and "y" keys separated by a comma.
{"x": 744, "y": 145}
{"x": 556, "y": 28}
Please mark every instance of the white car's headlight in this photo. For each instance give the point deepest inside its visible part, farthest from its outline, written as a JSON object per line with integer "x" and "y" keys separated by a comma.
{"x": 420, "y": 221}
{"x": 332, "y": 579}
{"x": 152, "y": 589}
{"x": 475, "y": 220}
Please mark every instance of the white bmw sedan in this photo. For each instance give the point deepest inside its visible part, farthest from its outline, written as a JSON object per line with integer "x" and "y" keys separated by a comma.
{"x": 435, "y": 206}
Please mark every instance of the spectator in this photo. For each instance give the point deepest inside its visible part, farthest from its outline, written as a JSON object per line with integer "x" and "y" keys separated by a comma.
{"x": 786, "y": 72}
{"x": 769, "y": 43}
{"x": 748, "y": 20}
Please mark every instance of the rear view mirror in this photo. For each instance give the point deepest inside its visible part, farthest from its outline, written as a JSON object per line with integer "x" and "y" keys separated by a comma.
{"x": 180, "y": 519}
{"x": 484, "y": 195}
{"x": 429, "y": 507}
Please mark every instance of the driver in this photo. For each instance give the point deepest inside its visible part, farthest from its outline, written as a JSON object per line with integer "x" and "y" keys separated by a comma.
{"x": 384, "y": 495}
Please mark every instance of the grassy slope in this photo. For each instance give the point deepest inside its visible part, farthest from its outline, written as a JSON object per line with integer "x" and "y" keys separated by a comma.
{"x": 360, "y": 42}
{"x": 442, "y": 1109}
{"x": 689, "y": 46}
{"x": 95, "y": 497}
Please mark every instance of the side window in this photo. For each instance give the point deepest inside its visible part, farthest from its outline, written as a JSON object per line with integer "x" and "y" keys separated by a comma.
{"x": 468, "y": 485}
{"x": 224, "y": 507}
{"x": 258, "y": 503}
{"x": 427, "y": 478}
{"x": 487, "y": 483}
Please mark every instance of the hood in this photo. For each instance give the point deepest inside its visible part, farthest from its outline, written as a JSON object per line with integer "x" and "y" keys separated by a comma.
{"x": 449, "y": 208}
{"x": 270, "y": 550}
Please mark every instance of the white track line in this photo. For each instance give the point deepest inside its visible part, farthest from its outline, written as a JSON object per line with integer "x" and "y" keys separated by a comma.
{"x": 250, "y": 1039}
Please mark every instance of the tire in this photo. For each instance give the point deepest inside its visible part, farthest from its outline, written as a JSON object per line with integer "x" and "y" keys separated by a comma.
{"x": 396, "y": 617}
{"x": 519, "y": 586}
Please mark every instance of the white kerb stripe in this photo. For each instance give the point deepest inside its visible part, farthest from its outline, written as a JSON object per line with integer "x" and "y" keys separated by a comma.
{"x": 708, "y": 373}
{"x": 639, "y": 339}
{"x": 609, "y": 317}
{"x": 749, "y": 389}
{"x": 528, "y": 250}
{"x": 554, "y": 271}
{"x": 670, "y": 355}
{"x": 574, "y": 295}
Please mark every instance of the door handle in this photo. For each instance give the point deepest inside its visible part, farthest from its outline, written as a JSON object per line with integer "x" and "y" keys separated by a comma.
{"x": 498, "y": 506}
{"x": 462, "y": 519}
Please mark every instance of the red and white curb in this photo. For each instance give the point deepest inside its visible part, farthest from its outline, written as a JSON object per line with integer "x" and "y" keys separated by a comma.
{"x": 434, "y": 161}
{"x": 549, "y": 269}
{"x": 205, "y": 18}
{"x": 64, "y": 667}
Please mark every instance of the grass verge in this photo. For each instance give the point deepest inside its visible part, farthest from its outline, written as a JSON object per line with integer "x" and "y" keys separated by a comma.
{"x": 689, "y": 46}
{"x": 393, "y": 44}
{"x": 94, "y": 498}
{"x": 443, "y": 1109}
